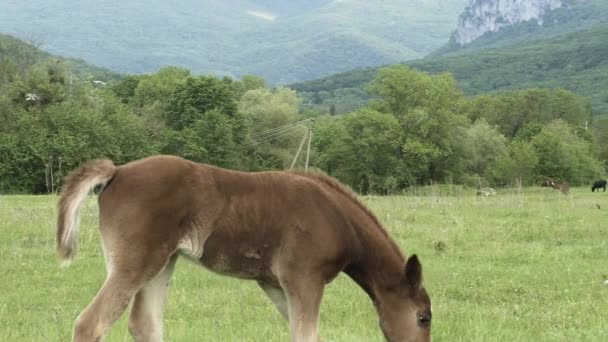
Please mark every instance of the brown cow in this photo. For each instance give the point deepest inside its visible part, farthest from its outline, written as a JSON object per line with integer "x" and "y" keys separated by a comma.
{"x": 291, "y": 232}
{"x": 563, "y": 187}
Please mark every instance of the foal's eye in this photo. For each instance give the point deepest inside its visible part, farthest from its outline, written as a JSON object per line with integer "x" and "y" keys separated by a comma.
{"x": 424, "y": 319}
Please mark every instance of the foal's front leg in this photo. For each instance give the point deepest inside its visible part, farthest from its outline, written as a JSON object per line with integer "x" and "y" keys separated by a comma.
{"x": 303, "y": 306}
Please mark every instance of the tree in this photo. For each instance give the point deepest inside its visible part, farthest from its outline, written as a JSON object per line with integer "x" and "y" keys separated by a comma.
{"x": 517, "y": 165}
{"x": 329, "y": 133}
{"x": 424, "y": 106}
{"x": 197, "y": 96}
{"x": 483, "y": 147}
{"x": 125, "y": 88}
{"x": 402, "y": 89}
{"x": 600, "y": 132}
{"x": 362, "y": 150}
{"x": 248, "y": 82}
{"x": 69, "y": 133}
{"x": 267, "y": 110}
{"x": 158, "y": 87}
{"x": 208, "y": 140}
{"x": 514, "y": 110}
{"x": 39, "y": 88}
{"x": 565, "y": 156}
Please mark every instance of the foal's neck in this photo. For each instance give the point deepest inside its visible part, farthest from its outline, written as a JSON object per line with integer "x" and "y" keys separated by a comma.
{"x": 377, "y": 264}
{"x": 380, "y": 265}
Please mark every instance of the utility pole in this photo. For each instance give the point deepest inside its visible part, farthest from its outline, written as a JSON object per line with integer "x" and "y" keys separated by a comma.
{"x": 293, "y": 163}
{"x": 312, "y": 122}
{"x": 309, "y": 136}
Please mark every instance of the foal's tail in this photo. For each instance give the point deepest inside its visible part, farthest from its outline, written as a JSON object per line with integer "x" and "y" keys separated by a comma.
{"x": 75, "y": 189}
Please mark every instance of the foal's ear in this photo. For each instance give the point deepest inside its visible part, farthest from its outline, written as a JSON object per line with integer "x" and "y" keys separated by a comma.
{"x": 413, "y": 272}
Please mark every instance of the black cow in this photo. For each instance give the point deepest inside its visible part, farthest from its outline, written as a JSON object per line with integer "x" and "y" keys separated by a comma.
{"x": 599, "y": 184}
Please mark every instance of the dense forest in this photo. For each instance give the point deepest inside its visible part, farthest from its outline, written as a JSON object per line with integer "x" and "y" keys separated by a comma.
{"x": 419, "y": 128}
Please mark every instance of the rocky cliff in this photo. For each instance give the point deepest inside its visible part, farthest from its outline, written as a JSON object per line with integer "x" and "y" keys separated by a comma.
{"x": 483, "y": 16}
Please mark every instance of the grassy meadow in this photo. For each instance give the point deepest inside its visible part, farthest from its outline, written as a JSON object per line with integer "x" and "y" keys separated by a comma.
{"x": 519, "y": 266}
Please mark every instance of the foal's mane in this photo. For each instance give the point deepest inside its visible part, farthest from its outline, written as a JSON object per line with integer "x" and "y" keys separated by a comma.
{"x": 332, "y": 183}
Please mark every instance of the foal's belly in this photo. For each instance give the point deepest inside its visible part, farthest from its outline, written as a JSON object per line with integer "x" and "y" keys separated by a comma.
{"x": 240, "y": 262}
{"x": 246, "y": 257}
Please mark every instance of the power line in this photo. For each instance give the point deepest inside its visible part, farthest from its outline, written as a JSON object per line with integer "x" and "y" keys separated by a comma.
{"x": 276, "y": 129}
{"x": 276, "y": 136}
{"x": 279, "y": 132}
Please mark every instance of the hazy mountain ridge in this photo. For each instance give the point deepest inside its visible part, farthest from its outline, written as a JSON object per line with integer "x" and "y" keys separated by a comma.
{"x": 569, "y": 50}
{"x": 278, "y": 41}
{"x": 576, "y": 61}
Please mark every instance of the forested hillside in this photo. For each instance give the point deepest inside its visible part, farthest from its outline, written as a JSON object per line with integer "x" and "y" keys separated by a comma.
{"x": 16, "y": 56}
{"x": 281, "y": 41}
{"x": 419, "y": 128}
{"x": 50, "y": 122}
{"x": 576, "y": 61}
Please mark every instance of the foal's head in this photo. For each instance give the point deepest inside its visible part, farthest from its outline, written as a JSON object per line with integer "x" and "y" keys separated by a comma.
{"x": 405, "y": 311}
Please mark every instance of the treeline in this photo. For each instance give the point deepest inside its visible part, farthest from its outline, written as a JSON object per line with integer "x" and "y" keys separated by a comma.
{"x": 419, "y": 129}
{"x": 50, "y": 122}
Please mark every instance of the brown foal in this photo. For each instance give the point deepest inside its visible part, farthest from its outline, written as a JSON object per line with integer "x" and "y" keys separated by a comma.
{"x": 292, "y": 232}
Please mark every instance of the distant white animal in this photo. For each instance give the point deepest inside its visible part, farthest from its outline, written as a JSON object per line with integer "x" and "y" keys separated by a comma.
{"x": 31, "y": 97}
{"x": 101, "y": 83}
{"x": 486, "y": 192}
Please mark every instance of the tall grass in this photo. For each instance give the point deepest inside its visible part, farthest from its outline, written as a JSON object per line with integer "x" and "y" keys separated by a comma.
{"x": 519, "y": 266}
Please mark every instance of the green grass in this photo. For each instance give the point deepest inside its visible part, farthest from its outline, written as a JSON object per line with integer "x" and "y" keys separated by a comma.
{"x": 523, "y": 266}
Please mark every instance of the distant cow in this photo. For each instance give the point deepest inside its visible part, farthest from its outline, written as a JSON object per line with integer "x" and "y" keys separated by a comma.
{"x": 548, "y": 183}
{"x": 563, "y": 187}
{"x": 599, "y": 184}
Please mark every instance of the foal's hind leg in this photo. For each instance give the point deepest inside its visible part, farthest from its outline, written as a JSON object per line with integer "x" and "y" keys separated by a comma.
{"x": 146, "y": 319}
{"x": 131, "y": 267}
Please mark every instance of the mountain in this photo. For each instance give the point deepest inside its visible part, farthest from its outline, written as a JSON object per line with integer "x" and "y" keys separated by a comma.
{"x": 278, "y": 40}
{"x": 483, "y": 16}
{"x": 573, "y": 56}
{"x": 494, "y": 23}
